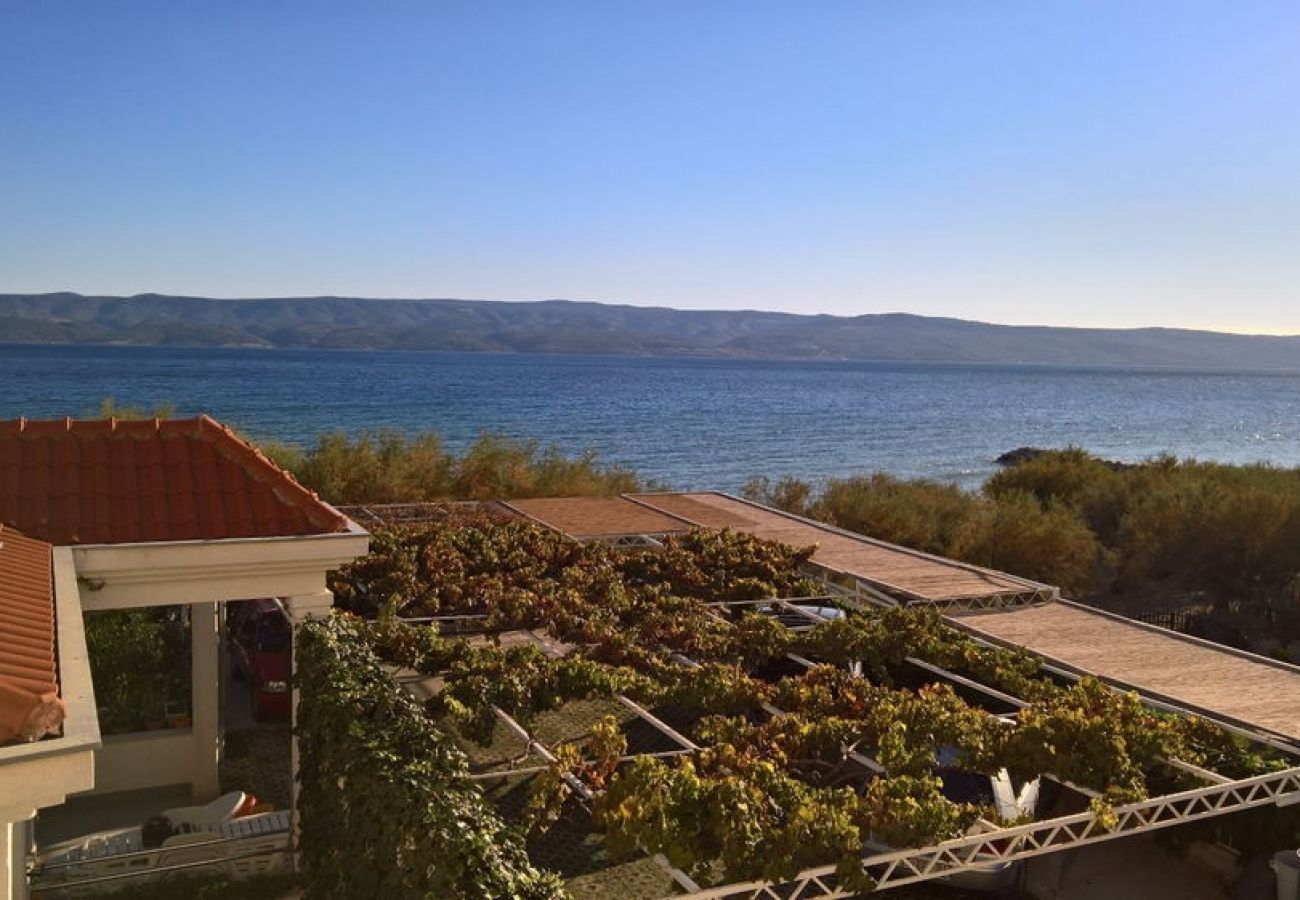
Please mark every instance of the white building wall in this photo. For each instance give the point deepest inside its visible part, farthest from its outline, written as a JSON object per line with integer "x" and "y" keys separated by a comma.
{"x": 128, "y": 762}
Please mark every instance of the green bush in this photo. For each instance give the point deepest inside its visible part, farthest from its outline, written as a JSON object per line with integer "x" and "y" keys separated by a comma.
{"x": 926, "y": 515}
{"x": 386, "y": 808}
{"x": 389, "y": 467}
{"x": 139, "y": 659}
{"x": 1098, "y": 490}
{"x": 383, "y": 467}
{"x": 1213, "y": 530}
{"x": 789, "y": 494}
{"x": 110, "y": 409}
{"x": 1068, "y": 476}
{"x": 1047, "y": 542}
{"x": 1229, "y": 534}
{"x": 499, "y": 467}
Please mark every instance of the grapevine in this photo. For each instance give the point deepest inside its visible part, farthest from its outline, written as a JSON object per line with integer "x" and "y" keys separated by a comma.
{"x": 777, "y": 784}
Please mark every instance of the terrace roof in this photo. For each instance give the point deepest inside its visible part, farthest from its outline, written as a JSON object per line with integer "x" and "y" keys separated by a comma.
{"x": 1223, "y": 682}
{"x": 517, "y": 752}
{"x": 423, "y": 512}
{"x": 598, "y": 517}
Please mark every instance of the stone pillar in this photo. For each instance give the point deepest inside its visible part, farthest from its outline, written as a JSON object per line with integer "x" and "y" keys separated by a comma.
{"x": 301, "y": 608}
{"x": 205, "y": 675}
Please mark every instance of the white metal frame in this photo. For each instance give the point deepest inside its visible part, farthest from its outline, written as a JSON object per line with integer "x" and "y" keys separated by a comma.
{"x": 1021, "y": 842}
{"x": 233, "y": 856}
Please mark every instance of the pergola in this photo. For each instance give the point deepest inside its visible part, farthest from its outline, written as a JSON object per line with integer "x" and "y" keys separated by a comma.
{"x": 861, "y": 574}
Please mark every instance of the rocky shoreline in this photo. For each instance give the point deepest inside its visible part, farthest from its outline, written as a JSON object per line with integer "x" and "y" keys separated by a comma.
{"x": 1028, "y": 454}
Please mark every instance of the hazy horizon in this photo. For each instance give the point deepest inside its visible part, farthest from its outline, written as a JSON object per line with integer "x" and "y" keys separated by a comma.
{"x": 737, "y": 309}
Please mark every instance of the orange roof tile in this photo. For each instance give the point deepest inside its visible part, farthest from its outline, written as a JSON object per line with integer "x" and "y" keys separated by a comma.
{"x": 29, "y": 680}
{"x": 111, "y": 481}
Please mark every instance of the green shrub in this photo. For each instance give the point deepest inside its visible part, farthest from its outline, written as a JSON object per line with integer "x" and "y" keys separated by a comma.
{"x": 139, "y": 659}
{"x": 110, "y": 409}
{"x": 389, "y": 467}
{"x": 1070, "y": 476}
{"x": 789, "y": 494}
{"x": 1099, "y": 490}
{"x": 925, "y": 515}
{"x": 379, "y": 467}
{"x": 1047, "y": 542}
{"x": 386, "y": 808}
{"x": 1232, "y": 535}
{"x": 499, "y": 467}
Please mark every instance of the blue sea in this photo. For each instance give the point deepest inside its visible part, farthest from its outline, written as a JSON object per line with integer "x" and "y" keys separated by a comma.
{"x": 689, "y": 423}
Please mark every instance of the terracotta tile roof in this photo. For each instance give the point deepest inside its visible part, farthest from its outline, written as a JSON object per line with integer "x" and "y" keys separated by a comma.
{"x": 107, "y": 481}
{"x": 29, "y": 681}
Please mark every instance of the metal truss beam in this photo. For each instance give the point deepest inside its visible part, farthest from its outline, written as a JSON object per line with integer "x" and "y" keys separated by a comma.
{"x": 850, "y": 586}
{"x": 622, "y": 540}
{"x": 977, "y": 603}
{"x": 1021, "y": 842}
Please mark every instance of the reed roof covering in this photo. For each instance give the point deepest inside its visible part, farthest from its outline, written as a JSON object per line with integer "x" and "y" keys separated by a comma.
{"x": 1251, "y": 689}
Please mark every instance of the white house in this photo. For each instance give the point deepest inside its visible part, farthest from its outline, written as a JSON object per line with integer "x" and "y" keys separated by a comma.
{"x": 107, "y": 514}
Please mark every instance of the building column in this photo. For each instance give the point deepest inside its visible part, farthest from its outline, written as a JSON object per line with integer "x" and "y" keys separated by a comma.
{"x": 15, "y": 841}
{"x": 205, "y": 696}
{"x": 301, "y": 608}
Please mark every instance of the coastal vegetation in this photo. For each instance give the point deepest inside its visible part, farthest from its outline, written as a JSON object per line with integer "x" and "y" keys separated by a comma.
{"x": 391, "y": 467}
{"x": 1221, "y": 539}
{"x": 1219, "y": 542}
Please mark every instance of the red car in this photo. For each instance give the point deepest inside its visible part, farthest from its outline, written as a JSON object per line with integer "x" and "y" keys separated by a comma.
{"x": 260, "y": 648}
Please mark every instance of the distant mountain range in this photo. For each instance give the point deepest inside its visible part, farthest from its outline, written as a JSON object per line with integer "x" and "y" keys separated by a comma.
{"x": 562, "y": 326}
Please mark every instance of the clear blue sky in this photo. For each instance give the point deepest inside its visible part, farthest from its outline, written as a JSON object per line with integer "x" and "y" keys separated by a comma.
{"x": 1100, "y": 163}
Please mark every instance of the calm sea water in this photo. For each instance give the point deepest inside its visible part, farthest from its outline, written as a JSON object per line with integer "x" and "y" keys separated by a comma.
{"x": 689, "y": 423}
